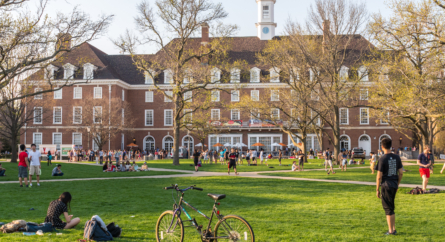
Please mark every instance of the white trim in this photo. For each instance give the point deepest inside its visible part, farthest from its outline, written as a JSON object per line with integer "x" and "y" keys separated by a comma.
{"x": 41, "y": 115}
{"x": 367, "y": 94}
{"x": 381, "y": 120}
{"x": 370, "y": 143}
{"x": 232, "y": 95}
{"x": 72, "y": 137}
{"x": 214, "y": 97}
{"x": 38, "y": 96}
{"x": 235, "y": 75}
{"x": 360, "y": 116}
{"x": 347, "y": 116}
{"x": 274, "y": 74}
{"x": 168, "y": 94}
{"x": 88, "y": 71}
{"x": 192, "y": 143}
{"x": 272, "y": 114}
{"x": 274, "y": 95}
{"x": 74, "y": 92}
{"x": 94, "y": 114}
{"x": 143, "y": 142}
{"x": 149, "y": 100}
{"x": 34, "y": 138}
{"x": 54, "y": 115}
{"x": 380, "y": 139}
{"x": 58, "y": 92}
{"x": 349, "y": 140}
{"x": 165, "y": 117}
{"x": 240, "y": 136}
{"x": 231, "y": 114}
{"x": 263, "y": 135}
{"x": 255, "y": 74}
{"x": 152, "y": 117}
{"x": 61, "y": 136}
{"x": 252, "y": 95}
{"x": 74, "y": 114}
{"x": 211, "y": 114}
{"x": 123, "y": 95}
{"x": 96, "y": 94}
{"x": 168, "y": 76}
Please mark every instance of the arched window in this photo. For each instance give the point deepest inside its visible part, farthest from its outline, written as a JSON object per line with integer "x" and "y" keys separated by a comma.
{"x": 381, "y": 138}
{"x": 167, "y": 143}
{"x": 255, "y": 74}
{"x": 235, "y": 75}
{"x": 344, "y": 73}
{"x": 149, "y": 143}
{"x": 188, "y": 143}
{"x": 345, "y": 143}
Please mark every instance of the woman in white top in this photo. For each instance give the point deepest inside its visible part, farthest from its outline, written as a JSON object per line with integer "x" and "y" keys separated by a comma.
{"x": 372, "y": 161}
{"x": 294, "y": 166}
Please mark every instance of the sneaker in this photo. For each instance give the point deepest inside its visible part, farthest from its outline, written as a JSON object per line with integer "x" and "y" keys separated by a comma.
{"x": 38, "y": 184}
{"x": 328, "y": 173}
{"x": 395, "y": 232}
{"x": 27, "y": 186}
{"x": 21, "y": 185}
{"x": 388, "y": 233}
{"x": 30, "y": 185}
{"x": 333, "y": 172}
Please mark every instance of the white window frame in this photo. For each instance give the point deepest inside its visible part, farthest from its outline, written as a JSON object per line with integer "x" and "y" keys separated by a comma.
{"x": 383, "y": 122}
{"x": 347, "y": 116}
{"x": 361, "y": 123}
{"x": 74, "y": 115}
{"x": 255, "y": 95}
{"x": 189, "y": 115}
{"x": 38, "y": 96}
{"x": 275, "y": 95}
{"x": 362, "y": 92}
{"x": 343, "y": 73}
{"x": 215, "y": 75}
{"x": 266, "y": 12}
{"x": 94, "y": 114}
{"x": 148, "y": 77}
{"x": 123, "y": 116}
{"x": 69, "y": 71}
{"x": 34, "y": 138}
{"x": 123, "y": 95}
{"x": 214, "y": 111}
{"x": 188, "y": 76}
{"x": 188, "y": 96}
{"x": 72, "y": 136}
{"x": 41, "y": 115}
{"x": 149, "y": 96}
{"x": 58, "y": 94}
{"x": 363, "y": 73}
{"x": 77, "y": 90}
{"x": 273, "y": 116}
{"x": 255, "y": 74}
{"x": 235, "y": 75}
{"x": 49, "y": 72}
{"x": 54, "y": 115}
{"x": 232, "y": 112}
{"x": 152, "y": 117}
{"x": 165, "y": 117}
{"x": 57, "y": 133}
{"x": 274, "y": 74}
{"x": 215, "y": 96}
{"x": 170, "y": 94}
{"x": 88, "y": 71}
{"x": 97, "y": 94}
{"x": 234, "y": 95}
{"x": 168, "y": 76}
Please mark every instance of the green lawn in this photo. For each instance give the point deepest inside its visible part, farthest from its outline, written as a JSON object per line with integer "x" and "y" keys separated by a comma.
{"x": 278, "y": 210}
{"x": 75, "y": 171}
{"x": 410, "y": 177}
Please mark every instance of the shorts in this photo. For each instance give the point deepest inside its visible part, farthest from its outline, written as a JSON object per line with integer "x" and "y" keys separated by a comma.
{"x": 23, "y": 172}
{"x": 329, "y": 162}
{"x": 232, "y": 164}
{"x": 424, "y": 171}
{"x": 344, "y": 162}
{"x": 301, "y": 162}
{"x": 35, "y": 170}
{"x": 253, "y": 159}
{"x": 388, "y": 195}
{"x": 195, "y": 162}
{"x": 279, "y": 159}
{"x": 247, "y": 158}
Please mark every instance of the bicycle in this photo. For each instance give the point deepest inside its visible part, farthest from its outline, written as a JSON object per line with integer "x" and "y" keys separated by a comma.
{"x": 170, "y": 227}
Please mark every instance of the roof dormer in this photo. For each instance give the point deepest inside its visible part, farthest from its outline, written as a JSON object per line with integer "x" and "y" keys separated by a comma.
{"x": 88, "y": 71}
{"x": 274, "y": 74}
{"x": 344, "y": 73}
{"x": 255, "y": 73}
{"x": 168, "y": 76}
{"x": 235, "y": 75}
{"x": 68, "y": 71}
{"x": 50, "y": 72}
{"x": 216, "y": 75}
{"x": 149, "y": 76}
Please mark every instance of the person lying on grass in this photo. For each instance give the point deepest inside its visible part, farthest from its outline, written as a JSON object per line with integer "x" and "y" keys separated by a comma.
{"x": 59, "y": 207}
{"x": 2, "y": 170}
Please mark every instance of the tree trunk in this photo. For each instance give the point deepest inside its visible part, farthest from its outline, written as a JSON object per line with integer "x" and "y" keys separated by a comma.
{"x": 336, "y": 136}
{"x": 303, "y": 139}
{"x": 13, "y": 149}
{"x": 176, "y": 130}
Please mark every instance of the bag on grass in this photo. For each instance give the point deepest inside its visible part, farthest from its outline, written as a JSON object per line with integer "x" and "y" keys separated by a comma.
{"x": 416, "y": 191}
{"x": 34, "y": 227}
{"x": 13, "y": 226}
{"x": 93, "y": 231}
{"x": 114, "y": 229}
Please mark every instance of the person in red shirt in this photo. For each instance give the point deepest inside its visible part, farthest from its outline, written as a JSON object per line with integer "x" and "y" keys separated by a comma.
{"x": 23, "y": 165}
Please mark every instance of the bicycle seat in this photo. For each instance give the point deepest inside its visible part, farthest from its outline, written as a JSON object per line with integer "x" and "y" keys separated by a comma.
{"x": 216, "y": 197}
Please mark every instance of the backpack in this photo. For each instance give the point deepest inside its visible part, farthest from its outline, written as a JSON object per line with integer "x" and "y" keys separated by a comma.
{"x": 114, "y": 229}
{"x": 93, "y": 231}
{"x": 416, "y": 191}
{"x": 34, "y": 227}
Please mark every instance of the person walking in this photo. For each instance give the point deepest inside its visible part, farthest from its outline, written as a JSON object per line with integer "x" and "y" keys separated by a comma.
{"x": 372, "y": 162}
{"x": 35, "y": 157}
{"x": 196, "y": 156}
{"x": 389, "y": 176}
{"x": 50, "y": 157}
{"x": 280, "y": 155}
{"x": 232, "y": 161}
{"x": 328, "y": 161}
{"x": 424, "y": 168}
{"x": 23, "y": 165}
{"x": 261, "y": 155}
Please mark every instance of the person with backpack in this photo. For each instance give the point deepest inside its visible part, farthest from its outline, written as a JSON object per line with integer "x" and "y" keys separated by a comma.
{"x": 57, "y": 208}
{"x": 328, "y": 160}
{"x": 389, "y": 176}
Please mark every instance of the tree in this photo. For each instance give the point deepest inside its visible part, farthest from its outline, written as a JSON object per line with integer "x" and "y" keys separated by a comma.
{"x": 187, "y": 64}
{"x": 411, "y": 86}
{"x": 30, "y": 41}
{"x": 102, "y": 119}
{"x": 15, "y": 115}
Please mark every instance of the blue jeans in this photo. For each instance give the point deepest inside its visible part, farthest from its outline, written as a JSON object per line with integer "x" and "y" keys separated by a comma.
{"x": 2, "y": 172}
{"x": 59, "y": 174}
{"x": 117, "y": 159}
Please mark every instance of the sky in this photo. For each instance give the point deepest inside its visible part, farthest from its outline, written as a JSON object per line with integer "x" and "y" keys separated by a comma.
{"x": 240, "y": 12}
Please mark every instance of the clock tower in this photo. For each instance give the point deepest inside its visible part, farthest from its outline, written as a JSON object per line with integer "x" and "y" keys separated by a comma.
{"x": 266, "y": 26}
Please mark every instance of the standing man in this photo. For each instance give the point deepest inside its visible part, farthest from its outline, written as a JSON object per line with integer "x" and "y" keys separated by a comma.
{"x": 23, "y": 165}
{"x": 101, "y": 156}
{"x": 232, "y": 161}
{"x": 35, "y": 157}
{"x": 389, "y": 176}
{"x": 280, "y": 155}
{"x": 424, "y": 167}
{"x": 328, "y": 160}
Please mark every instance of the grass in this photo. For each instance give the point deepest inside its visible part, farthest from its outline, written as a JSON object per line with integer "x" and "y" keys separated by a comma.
{"x": 75, "y": 171}
{"x": 410, "y": 177}
{"x": 278, "y": 210}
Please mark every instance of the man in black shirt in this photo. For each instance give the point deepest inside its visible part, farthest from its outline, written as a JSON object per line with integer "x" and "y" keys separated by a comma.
{"x": 389, "y": 175}
{"x": 232, "y": 161}
{"x": 196, "y": 156}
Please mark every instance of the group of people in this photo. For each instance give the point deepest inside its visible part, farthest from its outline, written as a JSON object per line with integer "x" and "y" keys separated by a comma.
{"x": 123, "y": 166}
{"x": 104, "y": 155}
{"x": 223, "y": 156}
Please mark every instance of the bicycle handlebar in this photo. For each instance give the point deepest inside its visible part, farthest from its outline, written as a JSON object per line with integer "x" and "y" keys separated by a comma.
{"x": 176, "y": 187}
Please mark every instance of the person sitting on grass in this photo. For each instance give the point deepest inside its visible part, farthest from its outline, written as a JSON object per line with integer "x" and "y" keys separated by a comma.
{"x": 144, "y": 167}
{"x": 59, "y": 207}
{"x": 294, "y": 166}
{"x": 128, "y": 165}
{"x": 2, "y": 170}
{"x": 111, "y": 167}
{"x": 133, "y": 167}
{"x": 301, "y": 163}
{"x": 121, "y": 167}
{"x": 57, "y": 171}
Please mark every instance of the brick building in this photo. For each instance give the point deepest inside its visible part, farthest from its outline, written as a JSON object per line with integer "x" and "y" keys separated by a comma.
{"x": 117, "y": 76}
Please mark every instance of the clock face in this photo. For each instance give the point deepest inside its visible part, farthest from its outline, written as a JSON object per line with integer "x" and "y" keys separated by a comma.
{"x": 265, "y": 30}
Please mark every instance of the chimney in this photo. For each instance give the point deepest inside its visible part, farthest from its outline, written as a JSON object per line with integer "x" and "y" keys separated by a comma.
{"x": 326, "y": 31}
{"x": 63, "y": 41}
{"x": 205, "y": 34}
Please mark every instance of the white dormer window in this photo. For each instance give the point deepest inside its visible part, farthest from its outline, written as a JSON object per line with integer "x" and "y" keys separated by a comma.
{"x": 255, "y": 74}
{"x": 188, "y": 76}
{"x": 88, "y": 71}
{"x": 68, "y": 71}
{"x": 344, "y": 73}
{"x": 149, "y": 76}
{"x": 312, "y": 75}
{"x": 266, "y": 11}
{"x": 274, "y": 75}
{"x": 235, "y": 75}
{"x": 384, "y": 74}
{"x": 294, "y": 74}
{"x": 50, "y": 72}
{"x": 168, "y": 76}
{"x": 216, "y": 75}
{"x": 363, "y": 73}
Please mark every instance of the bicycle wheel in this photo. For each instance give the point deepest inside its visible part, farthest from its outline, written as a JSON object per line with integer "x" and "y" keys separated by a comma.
{"x": 168, "y": 232}
{"x": 233, "y": 228}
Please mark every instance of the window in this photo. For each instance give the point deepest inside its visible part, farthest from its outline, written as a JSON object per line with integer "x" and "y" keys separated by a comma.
{"x": 50, "y": 72}
{"x": 77, "y": 115}
{"x": 168, "y": 117}
{"x": 385, "y": 120}
{"x": 363, "y": 94}
{"x": 123, "y": 116}
{"x": 215, "y": 114}
{"x": 235, "y": 114}
{"x": 77, "y": 93}
{"x": 364, "y": 116}
{"x": 275, "y": 114}
{"x": 315, "y": 118}
{"x": 88, "y": 71}
{"x": 97, "y": 115}
{"x": 363, "y": 73}
{"x": 274, "y": 75}
{"x": 148, "y": 96}
{"x": 38, "y": 96}
{"x": 77, "y": 138}
{"x": 255, "y": 95}
{"x": 149, "y": 76}
{"x": 58, "y": 94}
{"x": 123, "y": 95}
{"x": 235, "y": 96}
{"x": 98, "y": 92}
{"x": 315, "y": 96}
{"x": 216, "y": 75}
{"x": 188, "y": 116}
{"x": 168, "y": 76}
{"x": 68, "y": 71}
{"x": 235, "y": 75}
{"x": 254, "y": 114}
{"x": 344, "y": 116}
{"x": 38, "y": 115}
{"x": 188, "y": 77}
{"x": 57, "y": 115}
{"x": 188, "y": 96}
{"x": 294, "y": 74}
{"x": 266, "y": 11}
{"x": 215, "y": 96}
{"x": 37, "y": 138}
{"x": 255, "y": 74}
{"x": 344, "y": 73}
{"x": 167, "y": 97}
{"x": 57, "y": 138}
{"x": 149, "y": 118}
{"x": 275, "y": 95}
